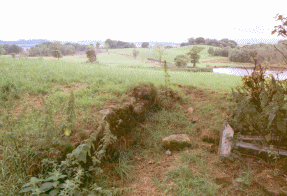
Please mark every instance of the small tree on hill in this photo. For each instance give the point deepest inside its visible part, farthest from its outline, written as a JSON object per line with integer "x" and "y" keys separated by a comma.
{"x": 210, "y": 50}
{"x": 181, "y": 60}
{"x": 98, "y": 45}
{"x": 135, "y": 53}
{"x": 91, "y": 54}
{"x": 107, "y": 46}
{"x": 55, "y": 50}
{"x": 145, "y": 45}
{"x": 159, "y": 50}
{"x": 194, "y": 55}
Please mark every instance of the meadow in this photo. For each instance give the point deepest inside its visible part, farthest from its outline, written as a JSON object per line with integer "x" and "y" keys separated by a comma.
{"x": 35, "y": 101}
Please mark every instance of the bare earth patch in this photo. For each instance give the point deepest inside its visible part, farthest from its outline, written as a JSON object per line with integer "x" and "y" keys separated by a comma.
{"x": 147, "y": 170}
{"x": 72, "y": 86}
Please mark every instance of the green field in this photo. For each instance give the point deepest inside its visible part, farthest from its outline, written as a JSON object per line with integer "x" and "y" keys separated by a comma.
{"x": 35, "y": 97}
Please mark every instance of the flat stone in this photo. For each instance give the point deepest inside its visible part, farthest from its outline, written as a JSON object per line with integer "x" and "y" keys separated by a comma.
{"x": 176, "y": 142}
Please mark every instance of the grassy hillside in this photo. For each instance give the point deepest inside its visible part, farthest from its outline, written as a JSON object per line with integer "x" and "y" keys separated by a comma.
{"x": 36, "y": 103}
{"x": 169, "y": 55}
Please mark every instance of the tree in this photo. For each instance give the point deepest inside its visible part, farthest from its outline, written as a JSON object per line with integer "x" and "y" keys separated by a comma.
{"x": 55, "y": 50}
{"x": 159, "y": 50}
{"x": 15, "y": 49}
{"x": 210, "y": 50}
{"x": 91, "y": 54}
{"x": 200, "y": 40}
{"x": 183, "y": 44}
{"x": 145, "y": 45}
{"x": 194, "y": 54}
{"x": 2, "y": 50}
{"x": 281, "y": 29}
{"x": 191, "y": 41}
{"x": 98, "y": 45}
{"x": 112, "y": 44}
{"x": 135, "y": 53}
{"x": 181, "y": 60}
{"x": 107, "y": 46}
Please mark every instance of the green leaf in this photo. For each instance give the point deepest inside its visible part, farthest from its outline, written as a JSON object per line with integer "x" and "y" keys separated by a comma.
{"x": 47, "y": 185}
{"x": 25, "y": 190}
{"x": 54, "y": 192}
{"x": 271, "y": 118}
{"x": 67, "y": 132}
{"x": 281, "y": 126}
{"x": 82, "y": 156}
{"x": 268, "y": 137}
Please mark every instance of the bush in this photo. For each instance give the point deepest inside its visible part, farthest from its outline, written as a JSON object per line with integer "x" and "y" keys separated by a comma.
{"x": 135, "y": 53}
{"x": 145, "y": 45}
{"x": 260, "y": 106}
{"x": 265, "y": 53}
{"x": 210, "y": 50}
{"x": 91, "y": 54}
{"x": 222, "y": 51}
{"x": 181, "y": 60}
{"x": 241, "y": 55}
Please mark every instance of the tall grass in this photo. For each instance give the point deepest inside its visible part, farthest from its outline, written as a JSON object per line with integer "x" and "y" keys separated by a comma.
{"x": 37, "y": 76}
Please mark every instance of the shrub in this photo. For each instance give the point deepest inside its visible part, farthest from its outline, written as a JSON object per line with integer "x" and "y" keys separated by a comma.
{"x": 222, "y": 51}
{"x": 135, "y": 53}
{"x": 260, "y": 106}
{"x": 91, "y": 54}
{"x": 210, "y": 50}
{"x": 241, "y": 55}
{"x": 181, "y": 60}
{"x": 145, "y": 45}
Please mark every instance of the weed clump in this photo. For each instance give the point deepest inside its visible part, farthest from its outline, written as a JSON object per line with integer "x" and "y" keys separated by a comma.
{"x": 7, "y": 91}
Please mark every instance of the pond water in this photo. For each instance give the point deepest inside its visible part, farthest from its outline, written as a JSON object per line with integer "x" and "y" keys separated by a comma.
{"x": 243, "y": 72}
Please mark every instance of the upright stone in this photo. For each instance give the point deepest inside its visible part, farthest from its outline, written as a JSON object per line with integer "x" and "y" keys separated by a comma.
{"x": 226, "y": 140}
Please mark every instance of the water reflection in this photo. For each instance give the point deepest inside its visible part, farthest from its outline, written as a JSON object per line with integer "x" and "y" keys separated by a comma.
{"x": 243, "y": 72}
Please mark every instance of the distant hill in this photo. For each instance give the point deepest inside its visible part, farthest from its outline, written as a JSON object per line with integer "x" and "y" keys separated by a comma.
{"x": 29, "y": 43}
{"x": 24, "y": 43}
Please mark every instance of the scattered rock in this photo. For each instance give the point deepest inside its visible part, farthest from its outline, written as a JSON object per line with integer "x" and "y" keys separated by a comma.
{"x": 190, "y": 110}
{"x": 113, "y": 107}
{"x": 168, "y": 152}
{"x": 106, "y": 111}
{"x": 151, "y": 162}
{"x": 137, "y": 158}
{"x": 176, "y": 142}
{"x": 194, "y": 119}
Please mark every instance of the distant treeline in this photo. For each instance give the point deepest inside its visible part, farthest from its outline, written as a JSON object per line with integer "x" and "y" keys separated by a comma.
{"x": 44, "y": 49}
{"x": 265, "y": 52}
{"x": 112, "y": 44}
{"x": 211, "y": 42}
{"x": 10, "y": 49}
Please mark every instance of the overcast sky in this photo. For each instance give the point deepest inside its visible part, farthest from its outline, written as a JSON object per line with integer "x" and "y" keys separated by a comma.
{"x": 138, "y": 21}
